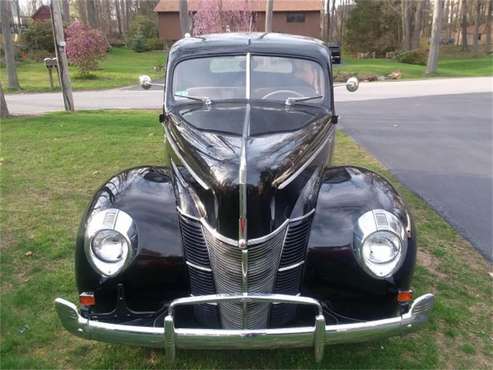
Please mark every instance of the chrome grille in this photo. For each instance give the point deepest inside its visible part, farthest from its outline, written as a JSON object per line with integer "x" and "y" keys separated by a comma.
{"x": 263, "y": 262}
{"x": 296, "y": 241}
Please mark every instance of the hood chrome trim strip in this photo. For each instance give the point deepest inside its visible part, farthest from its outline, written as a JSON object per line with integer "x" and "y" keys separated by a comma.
{"x": 173, "y": 146}
{"x": 294, "y": 175}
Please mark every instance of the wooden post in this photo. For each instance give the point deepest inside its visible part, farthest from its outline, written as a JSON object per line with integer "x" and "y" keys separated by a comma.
{"x": 56, "y": 18}
{"x": 4, "y": 111}
{"x": 269, "y": 4}
{"x": 184, "y": 28}
{"x": 431, "y": 65}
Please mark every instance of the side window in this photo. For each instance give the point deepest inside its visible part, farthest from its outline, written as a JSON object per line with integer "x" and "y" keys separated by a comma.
{"x": 295, "y": 18}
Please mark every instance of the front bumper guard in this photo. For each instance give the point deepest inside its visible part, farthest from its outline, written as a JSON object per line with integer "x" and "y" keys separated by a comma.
{"x": 316, "y": 336}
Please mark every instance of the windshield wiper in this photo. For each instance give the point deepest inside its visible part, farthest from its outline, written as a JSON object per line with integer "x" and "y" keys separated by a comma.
{"x": 291, "y": 101}
{"x": 204, "y": 99}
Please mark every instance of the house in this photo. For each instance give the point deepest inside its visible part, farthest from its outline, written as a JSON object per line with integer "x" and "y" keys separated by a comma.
{"x": 42, "y": 14}
{"x": 299, "y": 17}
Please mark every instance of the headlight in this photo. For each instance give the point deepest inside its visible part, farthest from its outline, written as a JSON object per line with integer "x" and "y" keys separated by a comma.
{"x": 380, "y": 243}
{"x": 110, "y": 241}
{"x": 109, "y": 245}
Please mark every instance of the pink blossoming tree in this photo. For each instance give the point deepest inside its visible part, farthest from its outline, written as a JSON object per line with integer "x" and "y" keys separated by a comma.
{"x": 85, "y": 47}
{"x": 215, "y": 16}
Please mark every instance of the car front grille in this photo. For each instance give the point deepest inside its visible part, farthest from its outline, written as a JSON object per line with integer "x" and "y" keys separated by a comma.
{"x": 275, "y": 265}
{"x": 263, "y": 261}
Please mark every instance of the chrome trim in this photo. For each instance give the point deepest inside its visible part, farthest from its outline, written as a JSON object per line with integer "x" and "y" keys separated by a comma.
{"x": 207, "y": 269}
{"x": 180, "y": 157}
{"x": 290, "y": 267}
{"x": 248, "y": 75}
{"x": 286, "y": 182}
{"x": 172, "y": 338}
{"x": 302, "y": 217}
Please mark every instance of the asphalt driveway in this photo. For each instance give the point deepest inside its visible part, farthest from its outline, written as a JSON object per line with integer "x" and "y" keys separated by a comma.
{"x": 438, "y": 146}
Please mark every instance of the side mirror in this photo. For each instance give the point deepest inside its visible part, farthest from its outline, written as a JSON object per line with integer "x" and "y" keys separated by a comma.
{"x": 145, "y": 82}
{"x": 352, "y": 84}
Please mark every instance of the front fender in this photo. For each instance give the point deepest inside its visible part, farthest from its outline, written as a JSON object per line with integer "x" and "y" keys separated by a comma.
{"x": 158, "y": 272}
{"x": 331, "y": 270}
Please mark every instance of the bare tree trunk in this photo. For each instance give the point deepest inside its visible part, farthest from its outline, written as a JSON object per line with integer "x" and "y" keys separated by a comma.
{"x": 8, "y": 47}
{"x": 432, "y": 64}
{"x": 91, "y": 13}
{"x": 488, "y": 25}
{"x": 464, "y": 24}
{"x": 418, "y": 25}
{"x": 66, "y": 12}
{"x": 18, "y": 10}
{"x": 118, "y": 17}
{"x": 4, "y": 110}
{"x": 184, "y": 25}
{"x": 128, "y": 12}
{"x": 333, "y": 21}
{"x": 406, "y": 25}
{"x": 477, "y": 22}
{"x": 81, "y": 6}
{"x": 269, "y": 4}
{"x": 324, "y": 20}
{"x": 59, "y": 40}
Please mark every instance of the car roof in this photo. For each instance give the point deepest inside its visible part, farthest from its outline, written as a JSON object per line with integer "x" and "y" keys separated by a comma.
{"x": 253, "y": 42}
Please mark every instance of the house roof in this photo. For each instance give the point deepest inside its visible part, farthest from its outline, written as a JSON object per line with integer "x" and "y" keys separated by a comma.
{"x": 171, "y": 6}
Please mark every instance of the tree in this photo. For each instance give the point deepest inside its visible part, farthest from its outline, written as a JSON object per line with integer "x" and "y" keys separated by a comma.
{"x": 488, "y": 25}
{"x": 406, "y": 25}
{"x": 477, "y": 23}
{"x": 4, "y": 110}
{"x": 91, "y": 13}
{"x": 464, "y": 24}
{"x": 417, "y": 24}
{"x": 85, "y": 47}
{"x": 431, "y": 65}
{"x": 373, "y": 26}
{"x": 66, "y": 12}
{"x": 9, "y": 51}
{"x": 222, "y": 16}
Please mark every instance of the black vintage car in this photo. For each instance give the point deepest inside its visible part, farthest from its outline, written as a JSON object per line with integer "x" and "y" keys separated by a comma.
{"x": 247, "y": 238}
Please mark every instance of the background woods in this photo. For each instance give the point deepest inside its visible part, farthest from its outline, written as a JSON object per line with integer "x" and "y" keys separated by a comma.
{"x": 398, "y": 30}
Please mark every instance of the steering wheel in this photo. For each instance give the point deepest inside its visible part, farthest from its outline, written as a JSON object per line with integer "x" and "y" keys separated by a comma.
{"x": 277, "y": 92}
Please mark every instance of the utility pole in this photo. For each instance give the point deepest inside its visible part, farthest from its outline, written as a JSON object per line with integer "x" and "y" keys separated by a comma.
{"x": 269, "y": 4}
{"x": 184, "y": 17}
{"x": 432, "y": 64}
{"x": 4, "y": 111}
{"x": 56, "y": 18}
{"x": 8, "y": 47}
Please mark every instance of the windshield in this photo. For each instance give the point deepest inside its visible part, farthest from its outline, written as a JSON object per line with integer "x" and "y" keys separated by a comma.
{"x": 271, "y": 78}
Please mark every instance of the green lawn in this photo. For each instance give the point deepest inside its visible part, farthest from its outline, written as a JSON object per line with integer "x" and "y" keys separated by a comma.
{"x": 120, "y": 67}
{"x": 50, "y": 166}
{"x": 456, "y": 66}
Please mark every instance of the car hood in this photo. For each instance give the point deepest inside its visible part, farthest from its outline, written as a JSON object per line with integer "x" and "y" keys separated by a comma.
{"x": 278, "y": 142}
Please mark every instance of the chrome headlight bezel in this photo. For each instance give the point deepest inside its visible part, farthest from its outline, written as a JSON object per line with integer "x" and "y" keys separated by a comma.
{"x": 121, "y": 224}
{"x": 383, "y": 225}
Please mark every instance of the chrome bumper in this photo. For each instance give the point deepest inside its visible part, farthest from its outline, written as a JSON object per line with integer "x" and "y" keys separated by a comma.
{"x": 172, "y": 338}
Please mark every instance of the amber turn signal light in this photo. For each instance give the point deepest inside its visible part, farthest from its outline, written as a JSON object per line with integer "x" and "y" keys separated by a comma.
{"x": 404, "y": 296}
{"x": 87, "y": 299}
